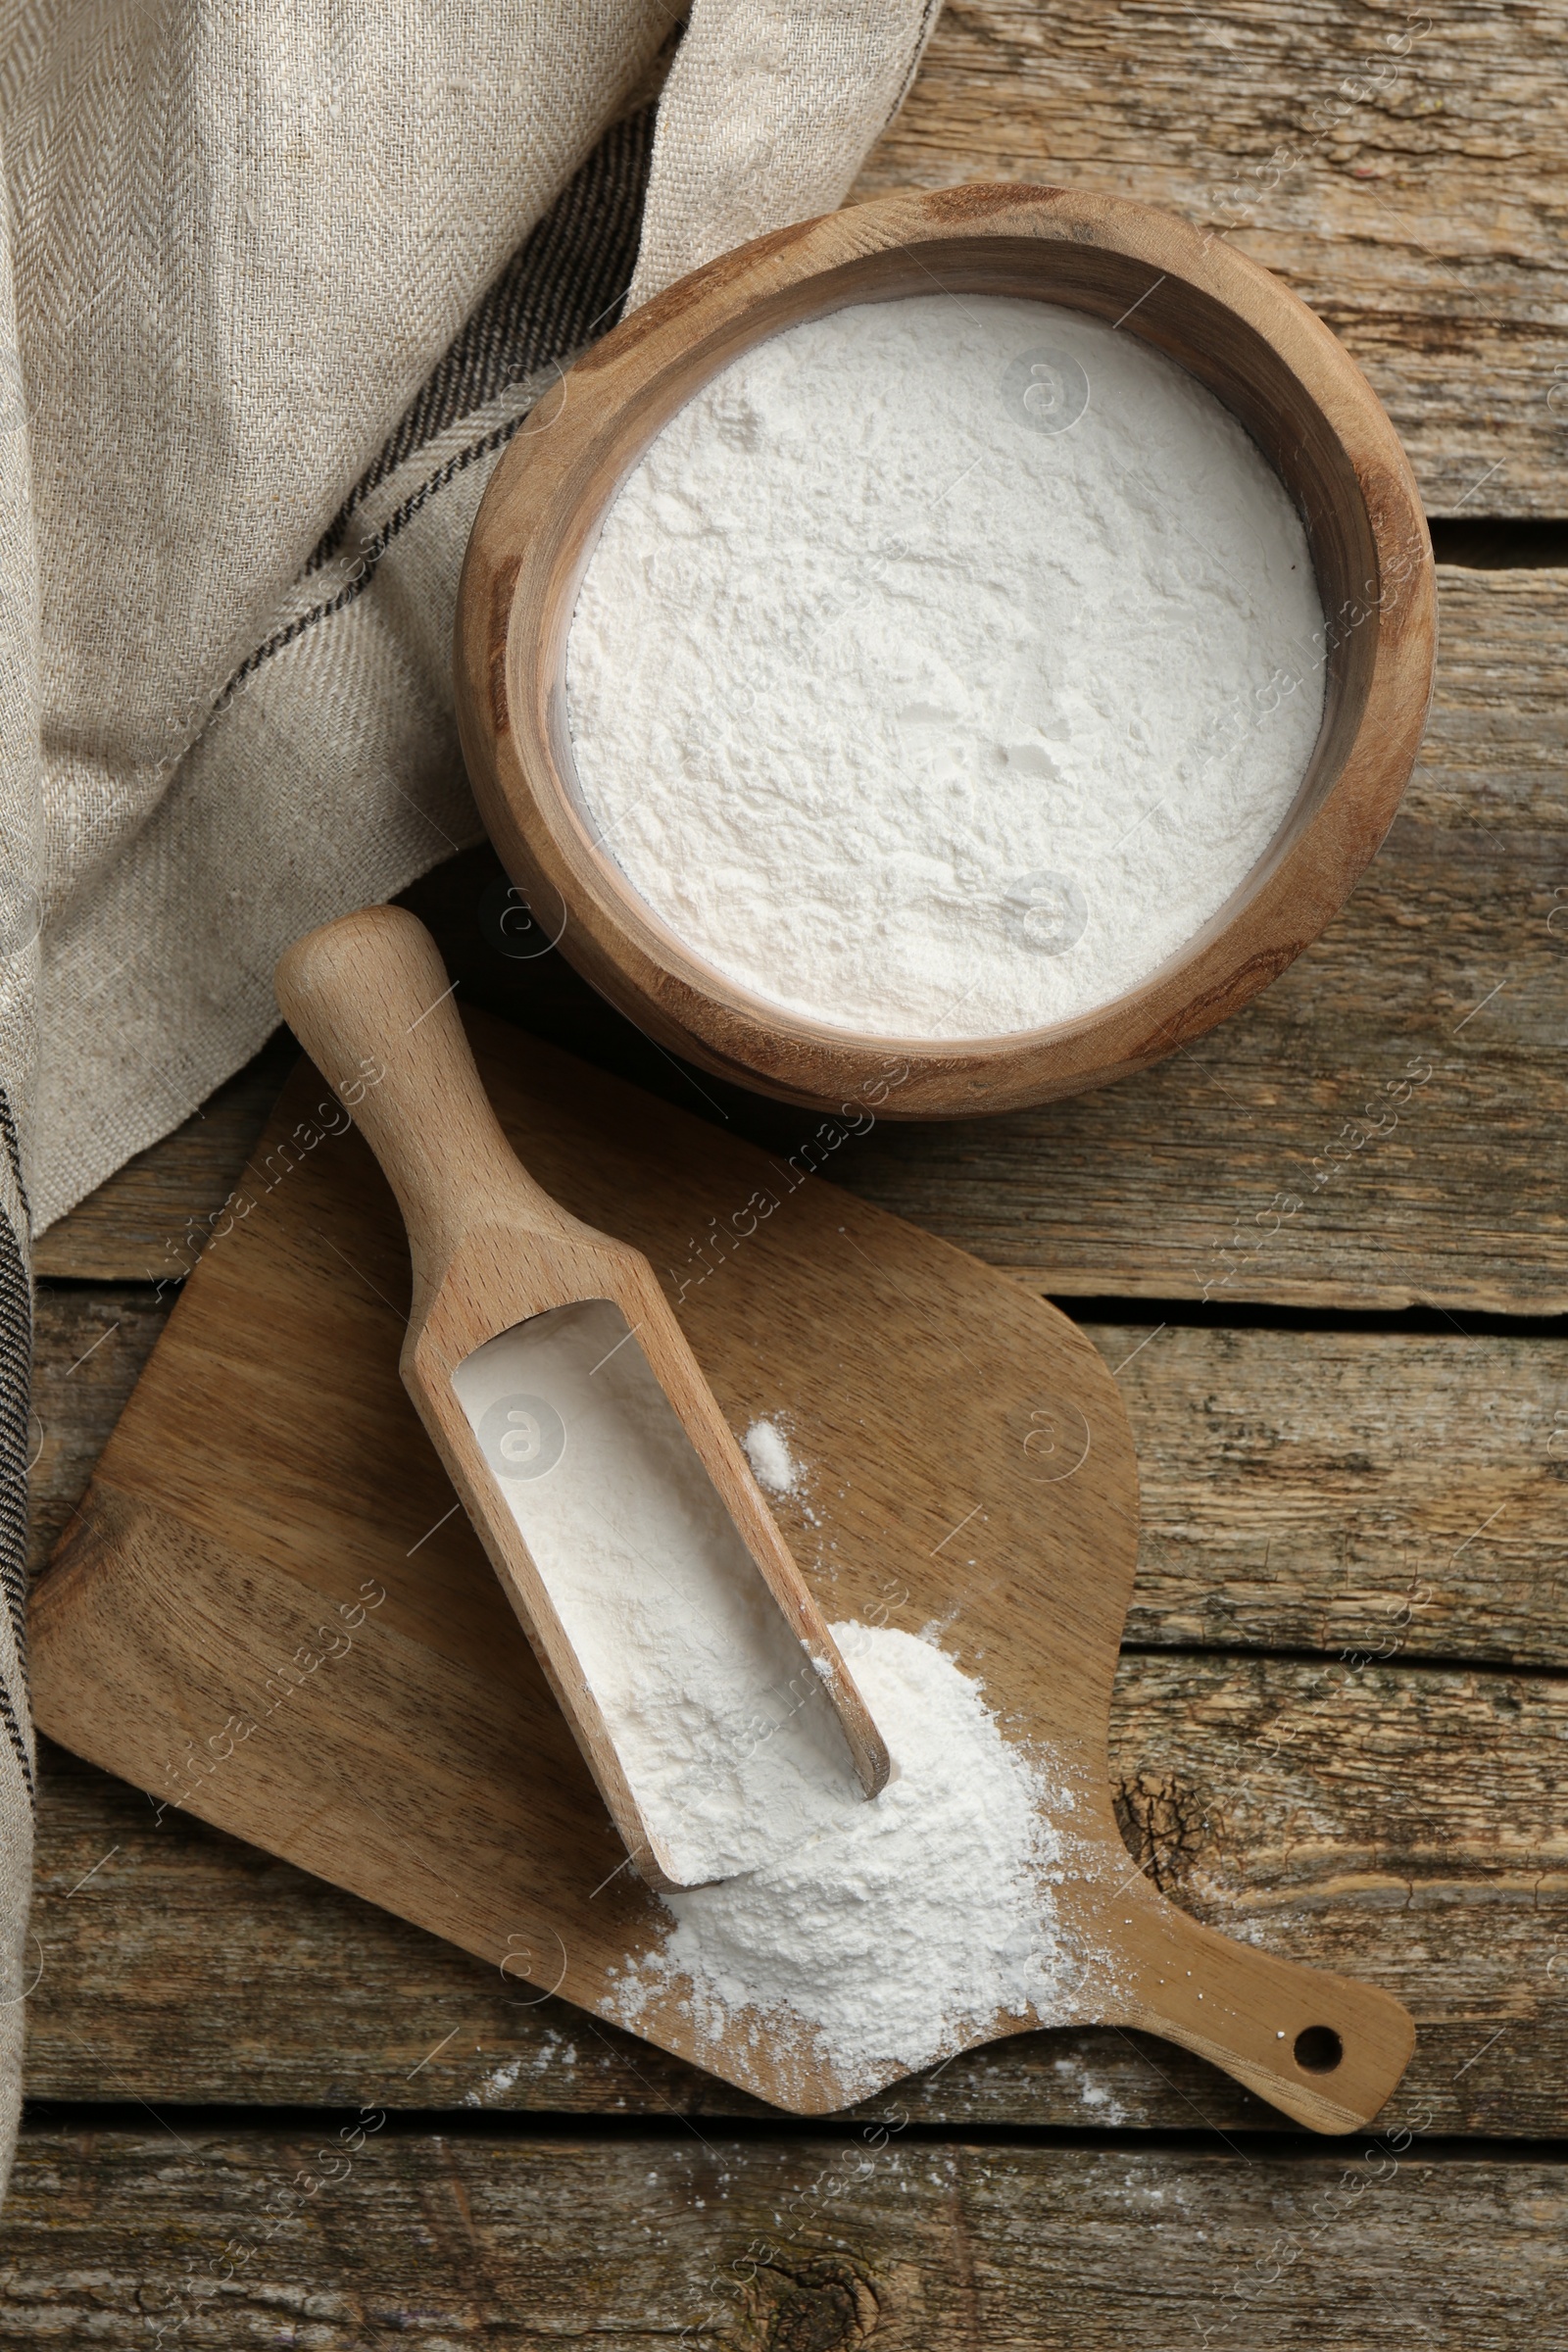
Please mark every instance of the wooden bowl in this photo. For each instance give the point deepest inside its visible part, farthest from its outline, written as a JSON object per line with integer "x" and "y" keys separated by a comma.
{"x": 1231, "y": 324}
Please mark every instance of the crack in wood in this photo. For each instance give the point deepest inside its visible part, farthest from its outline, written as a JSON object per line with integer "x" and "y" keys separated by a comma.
{"x": 1163, "y": 1826}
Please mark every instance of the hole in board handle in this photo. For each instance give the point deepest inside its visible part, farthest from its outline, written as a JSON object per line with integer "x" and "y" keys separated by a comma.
{"x": 1318, "y": 2049}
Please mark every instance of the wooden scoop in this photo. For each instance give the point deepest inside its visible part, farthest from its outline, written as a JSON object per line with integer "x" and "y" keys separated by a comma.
{"x": 551, "y": 1373}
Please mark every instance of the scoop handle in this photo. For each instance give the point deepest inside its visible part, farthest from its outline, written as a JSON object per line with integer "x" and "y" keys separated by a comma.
{"x": 370, "y": 1000}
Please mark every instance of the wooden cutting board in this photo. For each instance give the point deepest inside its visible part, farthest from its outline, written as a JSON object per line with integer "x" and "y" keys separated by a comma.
{"x": 271, "y": 1611}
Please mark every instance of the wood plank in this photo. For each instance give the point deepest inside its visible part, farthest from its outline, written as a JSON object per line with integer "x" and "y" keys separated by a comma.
{"x": 1316, "y": 1490}
{"x": 1168, "y": 1183}
{"x": 1313, "y": 1808}
{"x": 353, "y": 2235}
{"x": 90, "y": 1344}
{"x": 1401, "y": 169}
{"x": 1394, "y": 1494}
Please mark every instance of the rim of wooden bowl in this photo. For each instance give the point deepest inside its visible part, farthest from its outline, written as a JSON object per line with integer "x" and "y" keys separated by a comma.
{"x": 1240, "y": 332}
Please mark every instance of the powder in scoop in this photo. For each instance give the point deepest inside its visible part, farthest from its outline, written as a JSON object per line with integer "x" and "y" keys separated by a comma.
{"x": 900, "y": 1928}
{"x": 944, "y": 666}
{"x": 723, "y": 1730}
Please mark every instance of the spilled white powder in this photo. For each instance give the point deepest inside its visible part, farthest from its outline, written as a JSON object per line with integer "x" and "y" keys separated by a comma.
{"x": 723, "y": 1730}
{"x": 773, "y": 1466}
{"x": 944, "y": 666}
{"x": 496, "y": 2083}
{"x": 899, "y": 1929}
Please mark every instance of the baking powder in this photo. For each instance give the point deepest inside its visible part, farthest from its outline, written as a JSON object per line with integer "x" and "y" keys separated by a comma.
{"x": 945, "y": 666}
{"x": 721, "y": 1724}
{"x": 902, "y": 1928}
{"x": 773, "y": 1466}
{"x": 872, "y": 1936}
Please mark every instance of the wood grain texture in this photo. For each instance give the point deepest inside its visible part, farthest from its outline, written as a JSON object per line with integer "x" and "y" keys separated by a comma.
{"x": 90, "y": 1344}
{"x": 1317, "y": 1490}
{"x": 1198, "y": 302}
{"x": 441, "y": 1780}
{"x": 1357, "y": 1493}
{"x": 815, "y": 2244}
{"x": 1397, "y": 1823}
{"x": 1452, "y": 951}
{"x": 1404, "y": 170}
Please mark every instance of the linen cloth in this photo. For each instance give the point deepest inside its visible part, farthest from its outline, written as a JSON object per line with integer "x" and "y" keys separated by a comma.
{"x": 276, "y": 286}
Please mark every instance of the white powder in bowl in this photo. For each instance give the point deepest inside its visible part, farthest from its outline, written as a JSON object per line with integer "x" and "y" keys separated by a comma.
{"x": 944, "y": 666}
{"x": 899, "y": 1929}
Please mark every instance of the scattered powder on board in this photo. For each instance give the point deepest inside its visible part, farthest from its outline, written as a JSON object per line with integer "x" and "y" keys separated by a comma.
{"x": 773, "y": 1466}
{"x": 943, "y": 667}
{"x": 900, "y": 1929}
{"x": 723, "y": 1730}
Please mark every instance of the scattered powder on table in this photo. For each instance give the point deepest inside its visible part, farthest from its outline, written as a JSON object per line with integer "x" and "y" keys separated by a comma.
{"x": 944, "y": 666}
{"x": 899, "y": 1929}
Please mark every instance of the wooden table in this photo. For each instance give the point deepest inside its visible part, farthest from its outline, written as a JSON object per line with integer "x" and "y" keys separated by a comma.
{"x": 1343, "y": 1717}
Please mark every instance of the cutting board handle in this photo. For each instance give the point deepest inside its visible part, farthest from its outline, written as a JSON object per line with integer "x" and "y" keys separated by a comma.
{"x": 1327, "y": 2050}
{"x": 370, "y": 1000}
